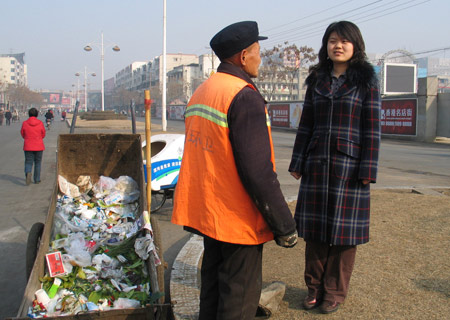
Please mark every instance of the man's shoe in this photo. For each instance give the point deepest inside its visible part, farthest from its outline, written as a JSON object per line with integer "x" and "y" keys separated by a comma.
{"x": 28, "y": 178}
{"x": 329, "y": 307}
{"x": 310, "y": 303}
{"x": 37, "y": 182}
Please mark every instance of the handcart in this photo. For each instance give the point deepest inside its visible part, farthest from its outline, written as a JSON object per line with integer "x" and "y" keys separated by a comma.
{"x": 166, "y": 155}
{"x": 96, "y": 155}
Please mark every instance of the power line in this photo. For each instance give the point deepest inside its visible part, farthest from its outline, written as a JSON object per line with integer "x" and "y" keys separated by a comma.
{"x": 283, "y": 33}
{"x": 306, "y": 17}
{"x": 309, "y": 30}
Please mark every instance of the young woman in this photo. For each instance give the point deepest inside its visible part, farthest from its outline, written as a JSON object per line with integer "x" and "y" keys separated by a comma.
{"x": 336, "y": 154}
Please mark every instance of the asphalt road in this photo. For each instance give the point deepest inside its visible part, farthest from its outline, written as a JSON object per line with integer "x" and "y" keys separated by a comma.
{"x": 402, "y": 165}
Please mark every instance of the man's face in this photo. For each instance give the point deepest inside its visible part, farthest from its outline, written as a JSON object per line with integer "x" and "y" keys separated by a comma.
{"x": 251, "y": 60}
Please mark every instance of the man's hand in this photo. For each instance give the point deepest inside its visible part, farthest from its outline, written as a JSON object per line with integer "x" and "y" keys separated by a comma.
{"x": 288, "y": 241}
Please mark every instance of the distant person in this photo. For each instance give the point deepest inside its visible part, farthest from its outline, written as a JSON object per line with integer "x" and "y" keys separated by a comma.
{"x": 336, "y": 156}
{"x": 2, "y": 116}
{"x": 228, "y": 191}
{"x": 48, "y": 118}
{"x": 8, "y": 116}
{"x": 16, "y": 117}
{"x": 63, "y": 115}
{"x": 33, "y": 133}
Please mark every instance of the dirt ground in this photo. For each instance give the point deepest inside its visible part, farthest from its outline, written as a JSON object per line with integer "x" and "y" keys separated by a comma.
{"x": 402, "y": 273}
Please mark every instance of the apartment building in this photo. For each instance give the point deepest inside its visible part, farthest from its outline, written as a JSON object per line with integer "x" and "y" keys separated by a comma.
{"x": 130, "y": 77}
{"x": 13, "y": 69}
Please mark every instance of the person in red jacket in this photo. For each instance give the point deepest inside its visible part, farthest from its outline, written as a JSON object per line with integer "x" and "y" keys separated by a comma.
{"x": 33, "y": 133}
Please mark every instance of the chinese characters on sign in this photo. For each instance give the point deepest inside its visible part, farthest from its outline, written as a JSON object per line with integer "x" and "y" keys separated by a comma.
{"x": 399, "y": 116}
{"x": 279, "y": 115}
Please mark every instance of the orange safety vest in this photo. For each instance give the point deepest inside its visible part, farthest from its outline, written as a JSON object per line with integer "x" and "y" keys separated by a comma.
{"x": 210, "y": 196}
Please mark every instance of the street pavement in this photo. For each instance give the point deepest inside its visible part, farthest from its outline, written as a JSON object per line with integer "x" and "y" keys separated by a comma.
{"x": 402, "y": 165}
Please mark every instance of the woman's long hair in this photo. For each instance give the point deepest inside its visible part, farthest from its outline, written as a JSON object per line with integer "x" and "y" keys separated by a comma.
{"x": 346, "y": 30}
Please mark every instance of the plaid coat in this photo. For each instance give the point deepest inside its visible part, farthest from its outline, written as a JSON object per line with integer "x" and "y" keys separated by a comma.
{"x": 336, "y": 147}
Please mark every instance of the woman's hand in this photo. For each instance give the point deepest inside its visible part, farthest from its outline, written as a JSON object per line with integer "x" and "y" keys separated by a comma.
{"x": 296, "y": 175}
{"x": 365, "y": 182}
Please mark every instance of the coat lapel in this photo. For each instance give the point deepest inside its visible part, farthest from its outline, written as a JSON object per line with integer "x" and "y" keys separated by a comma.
{"x": 323, "y": 87}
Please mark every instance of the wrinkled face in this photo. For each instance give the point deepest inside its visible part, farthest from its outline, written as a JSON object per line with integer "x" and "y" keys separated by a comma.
{"x": 251, "y": 59}
{"x": 340, "y": 50}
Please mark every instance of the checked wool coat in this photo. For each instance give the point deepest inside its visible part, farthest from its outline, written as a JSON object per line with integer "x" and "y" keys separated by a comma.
{"x": 336, "y": 147}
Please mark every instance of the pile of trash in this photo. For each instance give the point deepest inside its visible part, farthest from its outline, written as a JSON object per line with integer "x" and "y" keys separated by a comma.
{"x": 99, "y": 250}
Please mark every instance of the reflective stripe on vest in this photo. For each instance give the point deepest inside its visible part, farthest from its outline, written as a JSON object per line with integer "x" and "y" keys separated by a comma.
{"x": 208, "y": 113}
{"x": 210, "y": 196}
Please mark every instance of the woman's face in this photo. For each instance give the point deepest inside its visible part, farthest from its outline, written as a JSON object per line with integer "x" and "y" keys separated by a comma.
{"x": 340, "y": 50}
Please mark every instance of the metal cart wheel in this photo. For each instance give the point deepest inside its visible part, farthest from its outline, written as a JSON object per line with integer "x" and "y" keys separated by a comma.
{"x": 158, "y": 200}
{"x": 33, "y": 243}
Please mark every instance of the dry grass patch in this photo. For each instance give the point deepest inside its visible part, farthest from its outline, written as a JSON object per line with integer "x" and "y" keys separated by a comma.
{"x": 402, "y": 273}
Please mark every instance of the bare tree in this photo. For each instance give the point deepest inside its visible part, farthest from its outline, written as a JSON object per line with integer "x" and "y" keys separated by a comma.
{"x": 175, "y": 91}
{"x": 281, "y": 65}
{"x": 20, "y": 97}
{"x": 123, "y": 97}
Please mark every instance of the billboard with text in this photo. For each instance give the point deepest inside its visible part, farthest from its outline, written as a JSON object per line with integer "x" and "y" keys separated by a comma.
{"x": 399, "y": 117}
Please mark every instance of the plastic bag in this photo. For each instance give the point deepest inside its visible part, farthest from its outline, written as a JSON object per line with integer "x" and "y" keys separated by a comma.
{"x": 124, "y": 303}
{"x": 143, "y": 246}
{"x": 68, "y": 188}
{"x": 128, "y": 188}
{"x": 77, "y": 250}
{"x": 63, "y": 225}
{"x": 103, "y": 186}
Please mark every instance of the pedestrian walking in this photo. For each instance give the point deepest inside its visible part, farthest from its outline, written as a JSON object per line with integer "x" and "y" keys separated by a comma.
{"x": 8, "y": 116}
{"x": 33, "y": 133}
{"x": 2, "y": 115}
{"x": 15, "y": 116}
{"x": 336, "y": 155}
{"x": 228, "y": 190}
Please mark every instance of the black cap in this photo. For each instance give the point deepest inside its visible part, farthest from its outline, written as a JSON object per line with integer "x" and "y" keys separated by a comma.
{"x": 234, "y": 38}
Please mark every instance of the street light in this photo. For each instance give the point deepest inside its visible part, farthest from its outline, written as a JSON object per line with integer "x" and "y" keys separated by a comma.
{"x": 102, "y": 58}
{"x": 85, "y": 85}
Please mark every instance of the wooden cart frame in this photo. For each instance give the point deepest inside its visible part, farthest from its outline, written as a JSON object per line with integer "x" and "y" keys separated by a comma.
{"x": 110, "y": 155}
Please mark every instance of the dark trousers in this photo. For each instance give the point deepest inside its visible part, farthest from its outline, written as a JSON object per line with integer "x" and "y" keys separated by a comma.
{"x": 231, "y": 280}
{"x": 36, "y": 158}
{"x": 328, "y": 270}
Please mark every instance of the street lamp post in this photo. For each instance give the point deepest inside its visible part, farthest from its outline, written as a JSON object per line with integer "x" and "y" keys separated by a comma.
{"x": 102, "y": 59}
{"x": 85, "y": 85}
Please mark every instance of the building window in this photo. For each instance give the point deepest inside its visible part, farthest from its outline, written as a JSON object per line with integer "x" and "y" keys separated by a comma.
{"x": 12, "y": 70}
{"x": 13, "y": 78}
{"x": 13, "y": 62}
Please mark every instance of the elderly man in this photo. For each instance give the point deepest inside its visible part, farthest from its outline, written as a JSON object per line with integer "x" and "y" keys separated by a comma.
{"x": 228, "y": 190}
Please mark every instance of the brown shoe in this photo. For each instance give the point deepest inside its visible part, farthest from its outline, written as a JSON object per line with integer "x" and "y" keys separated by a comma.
{"x": 329, "y": 306}
{"x": 310, "y": 303}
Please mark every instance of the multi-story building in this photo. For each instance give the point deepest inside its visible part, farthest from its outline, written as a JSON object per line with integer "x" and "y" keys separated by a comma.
{"x": 129, "y": 77}
{"x": 13, "y": 69}
{"x": 208, "y": 64}
{"x": 438, "y": 67}
{"x": 172, "y": 60}
{"x": 184, "y": 80}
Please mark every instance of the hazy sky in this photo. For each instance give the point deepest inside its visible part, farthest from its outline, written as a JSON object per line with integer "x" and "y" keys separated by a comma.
{"x": 53, "y": 33}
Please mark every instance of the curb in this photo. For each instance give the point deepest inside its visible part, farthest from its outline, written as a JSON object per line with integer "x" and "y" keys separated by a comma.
{"x": 184, "y": 280}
